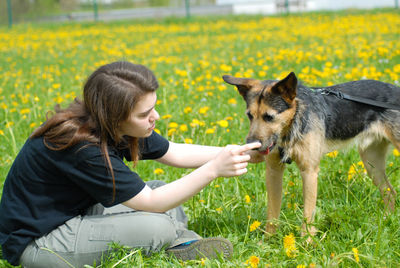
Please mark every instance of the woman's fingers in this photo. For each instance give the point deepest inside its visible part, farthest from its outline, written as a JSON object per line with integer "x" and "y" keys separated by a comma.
{"x": 241, "y": 158}
{"x": 243, "y": 148}
{"x": 233, "y": 160}
{"x": 241, "y": 165}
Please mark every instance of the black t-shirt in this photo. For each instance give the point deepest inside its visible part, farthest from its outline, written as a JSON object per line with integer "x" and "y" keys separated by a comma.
{"x": 45, "y": 188}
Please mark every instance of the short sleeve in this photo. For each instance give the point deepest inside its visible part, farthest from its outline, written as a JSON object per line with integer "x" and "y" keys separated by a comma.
{"x": 153, "y": 147}
{"x": 91, "y": 174}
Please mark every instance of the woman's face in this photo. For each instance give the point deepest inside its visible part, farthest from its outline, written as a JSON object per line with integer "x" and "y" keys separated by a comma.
{"x": 142, "y": 120}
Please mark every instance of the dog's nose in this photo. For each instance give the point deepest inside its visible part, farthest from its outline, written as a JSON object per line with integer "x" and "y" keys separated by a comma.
{"x": 250, "y": 140}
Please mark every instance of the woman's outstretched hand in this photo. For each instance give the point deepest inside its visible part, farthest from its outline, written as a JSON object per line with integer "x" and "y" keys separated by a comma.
{"x": 233, "y": 160}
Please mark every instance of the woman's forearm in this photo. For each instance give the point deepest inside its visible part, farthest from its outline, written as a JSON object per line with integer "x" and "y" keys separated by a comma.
{"x": 189, "y": 155}
{"x": 175, "y": 193}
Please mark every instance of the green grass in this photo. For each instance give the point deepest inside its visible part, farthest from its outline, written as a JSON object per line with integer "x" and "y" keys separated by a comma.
{"x": 44, "y": 64}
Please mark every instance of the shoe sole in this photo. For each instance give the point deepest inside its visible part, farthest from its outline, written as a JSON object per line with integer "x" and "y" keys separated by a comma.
{"x": 210, "y": 248}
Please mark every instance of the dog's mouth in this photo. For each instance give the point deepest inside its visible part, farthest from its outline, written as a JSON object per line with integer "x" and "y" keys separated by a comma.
{"x": 268, "y": 149}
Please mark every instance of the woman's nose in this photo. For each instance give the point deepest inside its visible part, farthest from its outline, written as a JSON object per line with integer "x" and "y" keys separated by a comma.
{"x": 155, "y": 116}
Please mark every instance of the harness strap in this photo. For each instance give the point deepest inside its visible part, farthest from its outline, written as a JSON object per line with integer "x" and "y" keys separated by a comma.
{"x": 342, "y": 96}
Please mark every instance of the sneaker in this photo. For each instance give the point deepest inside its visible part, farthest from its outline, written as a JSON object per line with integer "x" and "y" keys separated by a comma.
{"x": 210, "y": 248}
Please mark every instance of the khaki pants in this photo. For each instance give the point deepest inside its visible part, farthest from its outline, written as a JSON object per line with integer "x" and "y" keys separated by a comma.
{"x": 84, "y": 239}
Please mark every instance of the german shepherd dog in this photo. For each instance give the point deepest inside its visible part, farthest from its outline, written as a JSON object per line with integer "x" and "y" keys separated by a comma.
{"x": 295, "y": 122}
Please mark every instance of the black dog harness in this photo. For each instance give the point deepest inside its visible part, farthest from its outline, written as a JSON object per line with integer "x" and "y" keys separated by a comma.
{"x": 342, "y": 96}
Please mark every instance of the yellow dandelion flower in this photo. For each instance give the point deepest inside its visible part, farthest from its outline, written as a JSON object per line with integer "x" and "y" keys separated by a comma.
{"x": 9, "y": 124}
{"x": 300, "y": 266}
{"x": 32, "y": 125}
{"x": 189, "y": 141}
{"x": 2, "y": 132}
{"x": 355, "y": 253}
{"x": 172, "y": 97}
{"x": 167, "y": 116}
{"x": 219, "y": 210}
{"x": 25, "y": 111}
{"x": 173, "y": 125}
{"x": 196, "y": 122}
{"x": 253, "y": 261}
{"x": 225, "y": 68}
{"x": 56, "y": 85}
{"x": 202, "y": 201}
{"x": 187, "y": 110}
{"x": 157, "y": 131}
{"x": 204, "y": 110}
{"x": 183, "y": 127}
{"x": 223, "y": 123}
{"x": 221, "y": 87}
{"x": 247, "y": 198}
{"x": 262, "y": 74}
{"x": 396, "y": 152}
{"x": 210, "y": 130}
{"x": 289, "y": 244}
{"x": 232, "y": 101}
{"x": 352, "y": 171}
{"x": 332, "y": 154}
{"x": 158, "y": 171}
{"x": 254, "y": 226}
{"x": 181, "y": 72}
{"x": 171, "y": 131}
{"x": 58, "y": 99}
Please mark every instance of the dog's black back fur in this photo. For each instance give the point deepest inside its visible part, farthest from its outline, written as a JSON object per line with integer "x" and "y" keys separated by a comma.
{"x": 344, "y": 119}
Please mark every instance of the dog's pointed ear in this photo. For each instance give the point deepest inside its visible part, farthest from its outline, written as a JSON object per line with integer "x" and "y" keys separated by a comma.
{"x": 286, "y": 88}
{"x": 243, "y": 84}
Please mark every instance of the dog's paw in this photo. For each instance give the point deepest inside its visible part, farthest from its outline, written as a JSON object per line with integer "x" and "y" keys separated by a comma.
{"x": 270, "y": 229}
{"x": 307, "y": 229}
{"x": 389, "y": 199}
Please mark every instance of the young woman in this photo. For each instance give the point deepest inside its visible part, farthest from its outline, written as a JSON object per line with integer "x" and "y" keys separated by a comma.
{"x": 69, "y": 194}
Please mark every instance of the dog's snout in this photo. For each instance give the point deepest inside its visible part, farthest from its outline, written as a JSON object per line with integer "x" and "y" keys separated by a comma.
{"x": 250, "y": 140}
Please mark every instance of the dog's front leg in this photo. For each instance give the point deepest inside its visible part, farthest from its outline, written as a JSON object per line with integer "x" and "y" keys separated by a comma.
{"x": 310, "y": 187}
{"x": 274, "y": 175}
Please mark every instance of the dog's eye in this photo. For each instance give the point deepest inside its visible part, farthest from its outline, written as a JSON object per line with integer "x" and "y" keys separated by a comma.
{"x": 250, "y": 116}
{"x": 268, "y": 117}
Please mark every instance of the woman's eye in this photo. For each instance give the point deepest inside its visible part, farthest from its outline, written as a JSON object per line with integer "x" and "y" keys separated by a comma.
{"x": 268, "y": 117}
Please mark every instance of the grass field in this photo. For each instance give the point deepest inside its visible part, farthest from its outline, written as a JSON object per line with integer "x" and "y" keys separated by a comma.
{"x": 41, "y": 65}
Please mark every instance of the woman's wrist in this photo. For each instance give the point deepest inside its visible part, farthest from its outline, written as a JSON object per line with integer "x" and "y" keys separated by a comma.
{"x": 210, "y": 170}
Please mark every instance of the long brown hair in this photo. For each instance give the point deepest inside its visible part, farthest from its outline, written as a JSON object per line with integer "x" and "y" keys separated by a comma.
{"x": 109, "y": 96}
